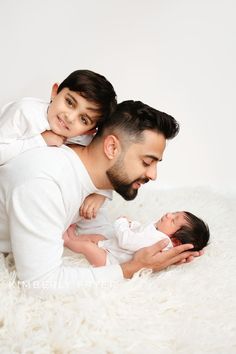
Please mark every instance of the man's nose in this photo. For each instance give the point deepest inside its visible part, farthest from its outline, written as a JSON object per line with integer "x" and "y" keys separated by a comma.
{"x": 151, "y": 172}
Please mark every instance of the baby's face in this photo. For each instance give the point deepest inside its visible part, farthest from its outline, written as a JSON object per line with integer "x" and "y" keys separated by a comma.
{"x": 171, "y": 222}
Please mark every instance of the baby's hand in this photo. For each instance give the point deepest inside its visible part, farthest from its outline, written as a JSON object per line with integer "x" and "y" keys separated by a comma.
{"x": 52, "y": 139}
{"x": 91, "y": 205}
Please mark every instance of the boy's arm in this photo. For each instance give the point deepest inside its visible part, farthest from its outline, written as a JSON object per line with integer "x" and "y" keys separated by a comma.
{"x": 10, "y": 150}
{"x": 16, "y": 147}
{"x": 20, "y": 126}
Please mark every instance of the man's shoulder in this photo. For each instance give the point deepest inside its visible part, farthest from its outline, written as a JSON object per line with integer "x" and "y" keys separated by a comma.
{"x": 43, "y": 162}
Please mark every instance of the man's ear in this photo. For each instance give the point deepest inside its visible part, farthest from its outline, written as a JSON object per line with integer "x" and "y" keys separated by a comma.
{"x": 111, "y": 146}
{"x": 54, "y": 90}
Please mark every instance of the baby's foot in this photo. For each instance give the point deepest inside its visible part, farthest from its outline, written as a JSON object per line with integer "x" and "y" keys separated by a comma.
{"x": 71, "y": 232}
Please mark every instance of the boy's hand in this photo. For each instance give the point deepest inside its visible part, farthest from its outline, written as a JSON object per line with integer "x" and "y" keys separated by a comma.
{"x": 91, "y": 205}
{"x": 53, "y": 139}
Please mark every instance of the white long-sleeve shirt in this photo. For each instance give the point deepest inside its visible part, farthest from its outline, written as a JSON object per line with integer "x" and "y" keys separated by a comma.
{"x": 40, "y": 195}
{"x": 128, "y": 238}
{"x": 21, "y": 125}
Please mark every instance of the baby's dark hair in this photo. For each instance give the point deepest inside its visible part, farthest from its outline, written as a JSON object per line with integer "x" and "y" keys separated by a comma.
{"x": 94, "y": 87}
{"x": 132, "y": 118}
{"x": 195, "y": 232}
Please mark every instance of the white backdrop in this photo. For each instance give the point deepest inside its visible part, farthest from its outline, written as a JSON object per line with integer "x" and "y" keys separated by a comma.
{"x": 178, "y": 56}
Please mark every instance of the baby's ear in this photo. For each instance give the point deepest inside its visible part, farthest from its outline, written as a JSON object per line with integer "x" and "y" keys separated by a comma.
{"x": 175, "y": 241}
{"x": 54, "y": 90}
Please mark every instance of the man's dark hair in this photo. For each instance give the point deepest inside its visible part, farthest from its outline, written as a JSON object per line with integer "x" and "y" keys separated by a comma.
{"x": 195, "y": 232}
{"x": 133, "y": 117}
{"x": 94, "y": 87}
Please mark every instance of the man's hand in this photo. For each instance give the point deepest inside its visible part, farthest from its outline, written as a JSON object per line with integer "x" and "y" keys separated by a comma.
{"x": 91, "y": 205}
{"x": 154, "y": 258}
{"x": 53, "y": 139}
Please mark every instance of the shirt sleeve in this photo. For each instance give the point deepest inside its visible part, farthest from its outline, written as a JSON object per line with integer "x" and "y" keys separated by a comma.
{"x": 21, "y": 125}
{"x": 127, "y": 239}
{"x": 106, "y": 193}
{"x": 16, "y": 147}
{"x": 37, "y": 223}
{"x": 132, "y": 235}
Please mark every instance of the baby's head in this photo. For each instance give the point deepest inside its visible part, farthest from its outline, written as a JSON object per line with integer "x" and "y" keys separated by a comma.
{"x": 80, "y": 103}
{"x": 184, "y": 227}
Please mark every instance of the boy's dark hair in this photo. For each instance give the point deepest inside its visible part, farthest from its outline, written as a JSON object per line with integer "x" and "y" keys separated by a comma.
{"x": 94, "y": 87}
{"x": 196, "y": 232}
{"x": 133, "y": 117}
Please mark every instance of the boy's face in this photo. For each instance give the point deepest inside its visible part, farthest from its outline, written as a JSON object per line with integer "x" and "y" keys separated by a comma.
{"x": 69, "y": 114}
{"x": 171, "y": 222}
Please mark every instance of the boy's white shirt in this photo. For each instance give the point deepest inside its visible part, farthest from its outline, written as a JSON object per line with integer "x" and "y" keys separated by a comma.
{"x": 129, "y": 237}
{"x": 21, "y": 125}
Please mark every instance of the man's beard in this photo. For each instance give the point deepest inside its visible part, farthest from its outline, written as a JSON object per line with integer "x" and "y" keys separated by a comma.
{"x": 120, "y": 181}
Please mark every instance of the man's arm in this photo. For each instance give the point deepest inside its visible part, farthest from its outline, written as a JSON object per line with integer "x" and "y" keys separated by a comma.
{"x": 37, "y": 220}
{"x": 154, "y": 258}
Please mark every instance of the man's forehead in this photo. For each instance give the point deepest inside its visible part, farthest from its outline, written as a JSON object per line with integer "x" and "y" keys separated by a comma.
{"x": 153, "y": 145}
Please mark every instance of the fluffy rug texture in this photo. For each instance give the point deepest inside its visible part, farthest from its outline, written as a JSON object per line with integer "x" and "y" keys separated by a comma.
{"x": 185, "y": 309}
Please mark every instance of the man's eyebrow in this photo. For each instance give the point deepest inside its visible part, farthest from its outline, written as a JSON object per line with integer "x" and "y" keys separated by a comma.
{"x": 154, "y": 158}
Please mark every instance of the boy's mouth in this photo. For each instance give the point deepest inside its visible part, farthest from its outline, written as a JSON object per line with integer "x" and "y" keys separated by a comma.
{"x": 62, "y": 123}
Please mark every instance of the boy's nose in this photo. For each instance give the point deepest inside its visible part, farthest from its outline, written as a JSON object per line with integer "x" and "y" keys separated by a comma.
{"x": 69, "y": 117}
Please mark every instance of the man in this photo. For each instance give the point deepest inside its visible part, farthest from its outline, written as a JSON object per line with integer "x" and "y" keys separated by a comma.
{"x": 42, "y": 189}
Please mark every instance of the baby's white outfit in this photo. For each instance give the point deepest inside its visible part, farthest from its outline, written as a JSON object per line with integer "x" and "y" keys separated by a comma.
{"x": 128, "y": 238}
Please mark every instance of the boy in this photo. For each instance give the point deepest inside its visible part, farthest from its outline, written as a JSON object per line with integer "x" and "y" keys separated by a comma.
{"x": 78, "y": 106}
{"x": 129, "y": 236}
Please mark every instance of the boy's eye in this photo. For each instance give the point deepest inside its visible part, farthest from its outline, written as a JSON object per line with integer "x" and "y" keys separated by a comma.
{"x": 69, "y": 102}
{"x": 84, "y": 120}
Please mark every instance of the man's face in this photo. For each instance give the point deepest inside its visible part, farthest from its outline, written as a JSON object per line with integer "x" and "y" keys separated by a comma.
{"x": 171, "y": 222}
{"x": 70, "y": 114}
{"x": 137, "y": 165}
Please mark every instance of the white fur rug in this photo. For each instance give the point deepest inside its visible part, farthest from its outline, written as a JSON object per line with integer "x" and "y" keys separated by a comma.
{"x": 184, "y": 309}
